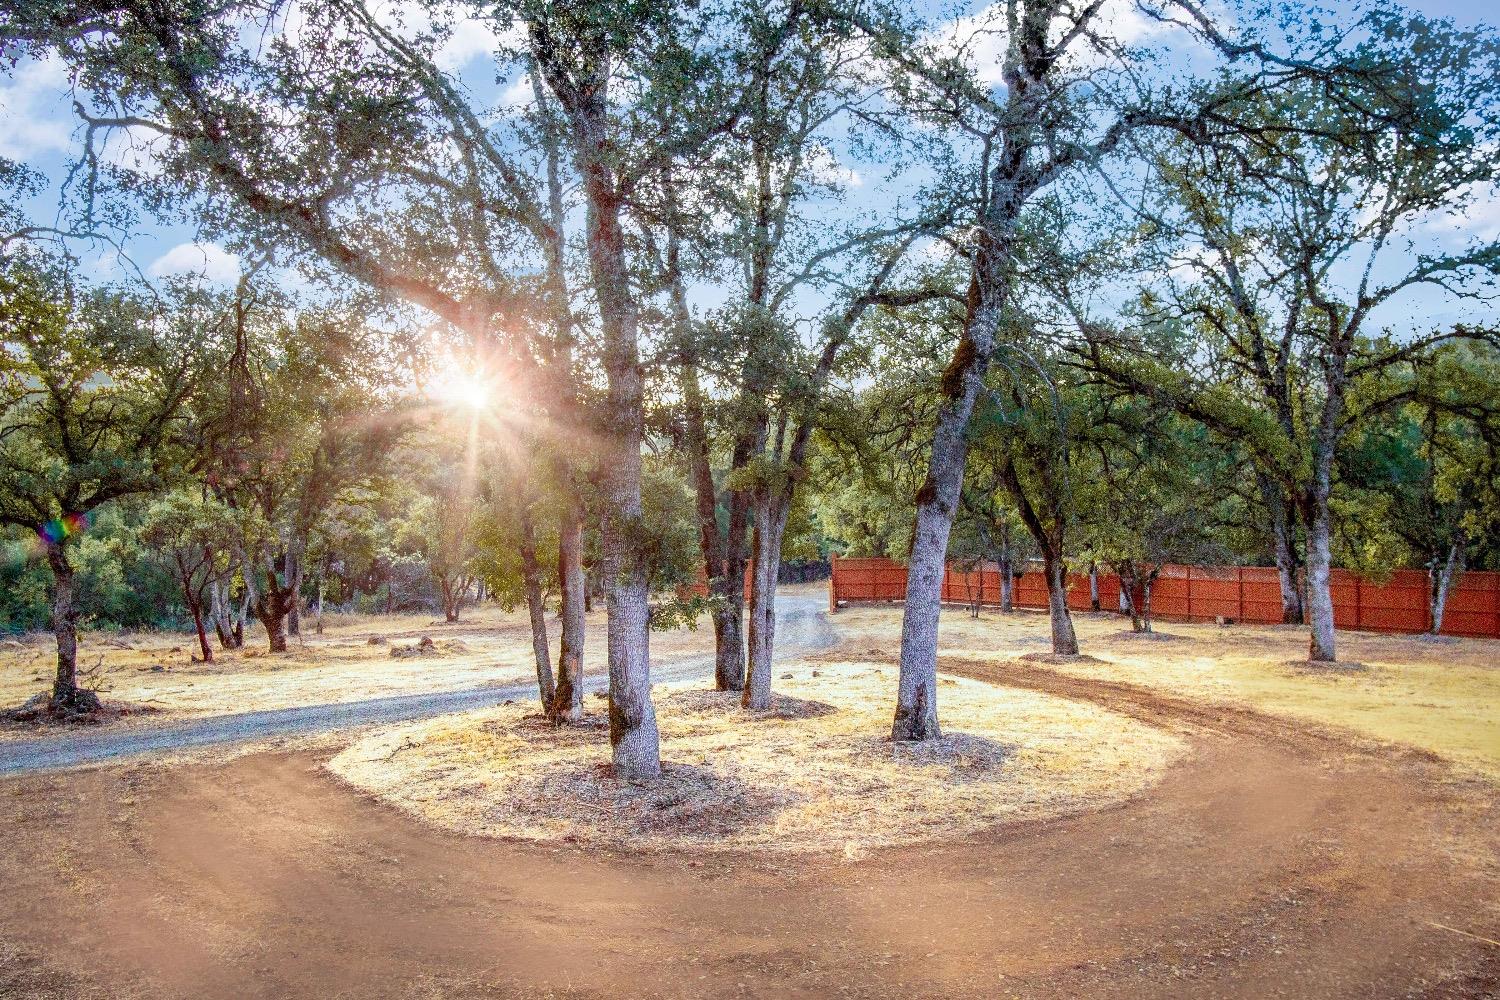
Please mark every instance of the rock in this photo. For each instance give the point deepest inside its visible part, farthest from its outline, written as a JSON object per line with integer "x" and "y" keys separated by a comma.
{"x": 817, "y": 673}
{"x": 786, "y": 677}
{"x": 157, "y": 668}
{"x": 601, "y": 695}
{"x": 424, "y": 647}
{"x": 375, "y": 640}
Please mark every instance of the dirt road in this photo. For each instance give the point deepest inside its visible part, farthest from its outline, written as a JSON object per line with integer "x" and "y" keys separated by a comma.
{"x": 802, "y": 627}
{"x": 1276, "y": 862}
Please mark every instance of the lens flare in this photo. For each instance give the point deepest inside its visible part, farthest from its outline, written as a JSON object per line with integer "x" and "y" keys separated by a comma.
{"x": 466, "y": 389}
{"x": 57, "y": 531}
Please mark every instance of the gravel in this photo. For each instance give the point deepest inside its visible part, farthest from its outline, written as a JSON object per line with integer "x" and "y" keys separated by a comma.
{"x": 802, "y": 626}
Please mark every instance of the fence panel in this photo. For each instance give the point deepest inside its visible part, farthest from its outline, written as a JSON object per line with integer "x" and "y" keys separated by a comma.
{"x": 1249, "y": 594}
{"x": 1031, "y": 591}
{"x": 1398, "y": 605}
{"x": 1474, "y": 606}
{"x": 1171, "y": 595}
{"x": 1213, "y": 592}
{"x": 1260, "y": 600}
{"x": 868, "y": 580}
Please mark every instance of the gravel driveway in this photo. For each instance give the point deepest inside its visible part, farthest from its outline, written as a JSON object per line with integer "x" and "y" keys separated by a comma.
{"x": 802, "y": 626}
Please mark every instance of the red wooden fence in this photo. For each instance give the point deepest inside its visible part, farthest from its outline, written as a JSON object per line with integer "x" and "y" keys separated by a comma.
{"x": 1203, "y": 593}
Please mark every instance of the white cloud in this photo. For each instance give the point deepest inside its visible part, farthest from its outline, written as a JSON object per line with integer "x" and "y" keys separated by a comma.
{"x": 1190, "y": 262}
{"x": 980, "y": 39}
{"x": 134, "y": 149}
{"x": 935, "y": 250}
{"x": 1482, "y": 219}
{"x": 824, "y": 168}
{"x": 1472, "y": 215}
{"x": 473, "y": 38}
{"x": 518, "y": 94}
{"x": 37, "y": 120}
{"x": 465, "y": 39}
{"x": 210, "y": 260}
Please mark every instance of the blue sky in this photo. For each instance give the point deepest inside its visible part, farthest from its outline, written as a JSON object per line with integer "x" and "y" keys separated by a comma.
{"x": 37, "y": 127}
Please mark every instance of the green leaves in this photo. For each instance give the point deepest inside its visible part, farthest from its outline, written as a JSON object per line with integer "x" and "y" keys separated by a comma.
{"x": 95, "y": 394}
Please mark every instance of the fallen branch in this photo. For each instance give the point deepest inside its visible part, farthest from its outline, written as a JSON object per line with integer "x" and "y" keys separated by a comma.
{"x": 1455, "y": 930}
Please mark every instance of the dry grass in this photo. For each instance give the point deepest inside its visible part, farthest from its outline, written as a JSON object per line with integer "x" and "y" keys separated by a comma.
{"x": 1439, "y": 696}
{"x": 158, "y": 670}
{"x": 813, "y": 773}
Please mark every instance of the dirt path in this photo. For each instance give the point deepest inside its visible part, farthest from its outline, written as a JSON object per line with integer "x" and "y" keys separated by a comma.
{"x": 1275, "y": 863}
{"x": 802, "y": 628}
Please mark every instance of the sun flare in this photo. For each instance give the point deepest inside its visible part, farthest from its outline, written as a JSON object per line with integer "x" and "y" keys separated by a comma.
{"x": 467, "y": 389}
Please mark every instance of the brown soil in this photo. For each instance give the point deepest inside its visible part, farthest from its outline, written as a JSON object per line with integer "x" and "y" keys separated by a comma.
{"x": 1278, "y": 861}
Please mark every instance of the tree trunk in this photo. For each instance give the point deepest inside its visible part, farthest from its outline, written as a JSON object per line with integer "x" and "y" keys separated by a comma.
{"x": 294, "y": 581}
{"x": 1442, "y": 581}
{"x": 770, "y": 519}
{"x": 916, "y": 693}
{"x": 272, "y": 607}
{"x": 580, "y": 81}
{"x": 729, "y": 588}
{"x": 1093, "y": 586}
{"x": 318, "y": 608}
{"x": 218, "y": 613}
{"x": 937, "y": 500}
{"x": 239, "y": 620}
{"x": 1007, "y": 582}
{"x": 1064, "y": 639}
{"x": 1129, "y": 584}
{"x": 65, "y": 691}
{"x": 567, "y": 699}
{"x": 729, "y": 613}
{"x": 567, "y": 702}
{"x": 1284, "y": 549}
{"x": 531, "y": 579}
{"x": 251, "y": 600}
{"x": 196, "y": 607}
{"x": 633, "y": 735}
{"x": 1146, "y": 601}
{"x": 275, "y": 622}
{"x": 723, "y": 554}
{"x": 1321, "y": 647}
{"x": 634, "y": 740}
